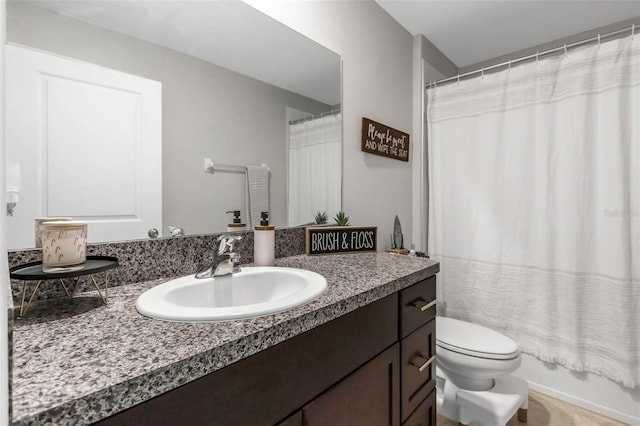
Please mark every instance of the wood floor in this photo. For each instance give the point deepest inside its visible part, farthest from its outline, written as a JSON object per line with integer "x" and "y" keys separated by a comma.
{"x": 547, "y": 411}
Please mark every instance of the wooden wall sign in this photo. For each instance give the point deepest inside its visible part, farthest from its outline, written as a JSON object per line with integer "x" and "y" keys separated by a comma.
{"x": 383, "y": 140}
{"x": 340, "y": 239}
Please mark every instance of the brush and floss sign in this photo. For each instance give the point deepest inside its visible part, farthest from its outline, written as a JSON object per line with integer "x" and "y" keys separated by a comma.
{"x": 340, "y": 239}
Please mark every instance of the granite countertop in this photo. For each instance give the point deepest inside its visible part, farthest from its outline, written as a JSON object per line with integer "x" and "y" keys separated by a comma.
{"x": 76, "y": 361}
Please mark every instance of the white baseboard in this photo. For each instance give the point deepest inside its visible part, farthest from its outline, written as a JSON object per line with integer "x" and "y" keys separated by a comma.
{"x": 596, "y": 408}
{"x": 586, "y": 390}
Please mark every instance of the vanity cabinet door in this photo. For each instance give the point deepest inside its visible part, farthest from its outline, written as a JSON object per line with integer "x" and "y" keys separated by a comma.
{"x": 418, "y": 352}
{"x": 425, "y": 414}
{"x": 369, "y": 396}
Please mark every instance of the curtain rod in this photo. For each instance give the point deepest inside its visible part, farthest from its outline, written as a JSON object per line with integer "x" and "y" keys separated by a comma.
{"x": 312, "y": 116}
{"x": 537, "y": 55}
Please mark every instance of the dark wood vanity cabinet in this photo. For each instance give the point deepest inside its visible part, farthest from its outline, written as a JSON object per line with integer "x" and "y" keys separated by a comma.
{"x": 363, "y": 368}
{"x": 368, "y": 396}
{"x": 417, "y": 311}
{"x": 425, "y": 414}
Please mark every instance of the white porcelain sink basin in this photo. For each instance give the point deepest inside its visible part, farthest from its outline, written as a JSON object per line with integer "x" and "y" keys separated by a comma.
{"x": 252, "y": 292}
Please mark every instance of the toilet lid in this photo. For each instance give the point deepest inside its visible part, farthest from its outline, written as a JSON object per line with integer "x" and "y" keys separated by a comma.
{"x": 474, "y": 340}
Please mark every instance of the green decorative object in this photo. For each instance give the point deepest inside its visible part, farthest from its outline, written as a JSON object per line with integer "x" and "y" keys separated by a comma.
{"x": 321, "y": 218}
{"x": 341, "y": 219}
{"x": 397, "y": 240}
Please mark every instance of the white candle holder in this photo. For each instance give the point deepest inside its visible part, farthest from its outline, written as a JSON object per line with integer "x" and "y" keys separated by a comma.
{"x": 64, "y": 245}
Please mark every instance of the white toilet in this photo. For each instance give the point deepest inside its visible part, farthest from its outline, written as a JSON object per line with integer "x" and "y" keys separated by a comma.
{"x": 473, "y": 366}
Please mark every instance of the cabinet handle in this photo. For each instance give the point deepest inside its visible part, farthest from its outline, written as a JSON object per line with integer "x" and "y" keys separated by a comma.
{"x": 421, "y": 362}
{"x": 422, "y": 304}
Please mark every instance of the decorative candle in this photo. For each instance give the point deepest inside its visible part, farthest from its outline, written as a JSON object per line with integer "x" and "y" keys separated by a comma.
{"x": 64, "y": 243}
{"x": 39, "y": 221}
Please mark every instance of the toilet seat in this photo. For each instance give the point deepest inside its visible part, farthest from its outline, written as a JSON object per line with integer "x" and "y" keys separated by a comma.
{"x": 474, "y": 340}
{"x": 473, "y": 381}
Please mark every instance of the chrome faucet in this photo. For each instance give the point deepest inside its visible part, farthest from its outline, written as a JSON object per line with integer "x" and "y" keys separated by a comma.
{"x": 175, "y": 231}
{"x": 225, "y": 260}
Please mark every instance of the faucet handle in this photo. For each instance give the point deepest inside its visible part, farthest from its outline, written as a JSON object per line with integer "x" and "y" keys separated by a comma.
{"x": 235, "y": 259}
{"x": 226, "y": 242}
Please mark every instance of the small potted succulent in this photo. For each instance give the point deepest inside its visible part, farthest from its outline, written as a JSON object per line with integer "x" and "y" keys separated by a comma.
{"x": 321, "y": 218}
{"x": 341, "y": 219}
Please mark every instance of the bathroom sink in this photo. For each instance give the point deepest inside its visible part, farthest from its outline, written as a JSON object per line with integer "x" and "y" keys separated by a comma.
{"x": 252, "y": 292}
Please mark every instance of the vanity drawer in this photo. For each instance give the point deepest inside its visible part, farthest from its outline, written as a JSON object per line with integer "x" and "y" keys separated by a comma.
{"x": 417, "y": 357}
{"x": 425, "y": 414}
{"x": 417, "y": 305}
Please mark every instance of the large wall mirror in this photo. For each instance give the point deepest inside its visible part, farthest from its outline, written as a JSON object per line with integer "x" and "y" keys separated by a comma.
{"x": 237, "y": 87}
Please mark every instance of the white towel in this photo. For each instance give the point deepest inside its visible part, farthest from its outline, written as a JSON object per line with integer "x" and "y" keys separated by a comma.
{"x": 257, "y": 193}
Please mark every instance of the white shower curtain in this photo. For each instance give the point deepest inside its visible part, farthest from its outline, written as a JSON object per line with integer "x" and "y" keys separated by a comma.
{"x": 535, "y": 205}
{"x": 315, "y": 153}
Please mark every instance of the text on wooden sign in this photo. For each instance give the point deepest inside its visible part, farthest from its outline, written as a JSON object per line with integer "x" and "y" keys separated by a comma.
{"x": 340, "y": 239}
{"x": 383, "y": 140}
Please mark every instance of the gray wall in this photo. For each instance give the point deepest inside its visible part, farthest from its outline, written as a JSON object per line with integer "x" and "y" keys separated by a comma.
{"x": 553, "y": 44}
{"x": 208, "y": 111}
{"x": 377, "y": 83}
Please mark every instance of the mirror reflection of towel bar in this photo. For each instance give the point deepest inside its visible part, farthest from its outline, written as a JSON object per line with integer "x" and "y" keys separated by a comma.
{"x": 211, "y": 167}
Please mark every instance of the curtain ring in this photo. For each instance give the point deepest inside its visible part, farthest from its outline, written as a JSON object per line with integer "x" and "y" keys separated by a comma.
{"x": 482, "y": 71}
{"x": 509, "y": 65}
{"x": 598, "y": 41}
{"x": 537, "y": 57}
{"x": 565, "y": 51}
{"x": 458, "y": 79}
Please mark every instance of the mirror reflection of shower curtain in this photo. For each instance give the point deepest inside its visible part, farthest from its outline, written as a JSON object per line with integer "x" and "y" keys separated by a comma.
{"x": 315, "y": 151}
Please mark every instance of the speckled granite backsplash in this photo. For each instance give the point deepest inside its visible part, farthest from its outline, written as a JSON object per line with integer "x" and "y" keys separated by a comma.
{"x": 144, "y": 260}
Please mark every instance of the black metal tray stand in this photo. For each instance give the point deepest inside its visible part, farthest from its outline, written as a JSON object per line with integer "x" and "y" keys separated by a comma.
{"x": 33, "y": 272}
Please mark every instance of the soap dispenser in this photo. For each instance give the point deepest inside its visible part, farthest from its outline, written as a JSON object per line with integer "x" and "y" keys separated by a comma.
{"x": 264, "y": 242}
{"x": 237, "y": 224}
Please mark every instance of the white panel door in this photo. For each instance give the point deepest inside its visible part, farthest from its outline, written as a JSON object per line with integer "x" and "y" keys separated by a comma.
{"x": 89, "y": 144}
